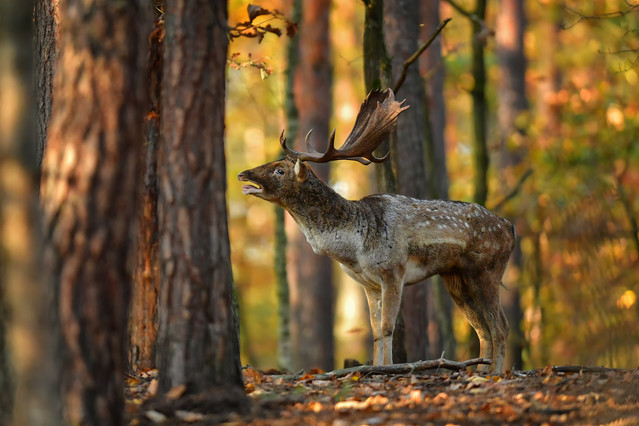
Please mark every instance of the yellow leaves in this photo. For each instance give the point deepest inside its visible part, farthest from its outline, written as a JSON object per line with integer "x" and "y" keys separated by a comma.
{"x": 627, "y": 300}
{"x": 615, "y": 117}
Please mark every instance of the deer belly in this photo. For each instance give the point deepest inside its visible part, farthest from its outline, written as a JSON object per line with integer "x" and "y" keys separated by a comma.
{"x": 416, "y": 272}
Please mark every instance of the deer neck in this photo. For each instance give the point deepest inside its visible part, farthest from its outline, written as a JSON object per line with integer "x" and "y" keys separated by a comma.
{"x": 320, "y": 212}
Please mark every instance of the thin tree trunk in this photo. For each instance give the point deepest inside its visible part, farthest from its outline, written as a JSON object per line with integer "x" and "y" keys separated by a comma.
{"x": 401, "y": 30}
{"x": 377, "y": 75}
{"x": 284, "y": 346}
{"x": 432, "y": 70}
{"x": 143, "y": 321}
{"x": 511, "y": 24}
{"x": 88, "y": 197}
{"x": 311, "y": 280}
{"x": 480, "y": 108}
{"x": 198, "y": 342}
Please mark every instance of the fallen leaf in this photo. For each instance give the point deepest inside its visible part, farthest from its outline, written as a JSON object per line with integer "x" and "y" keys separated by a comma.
{"x": 176, "y": 392}
{"x": 155, "y": 416}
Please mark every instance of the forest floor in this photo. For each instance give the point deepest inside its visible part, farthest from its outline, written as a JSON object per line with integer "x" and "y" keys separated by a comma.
{"x": 551, "y": 396}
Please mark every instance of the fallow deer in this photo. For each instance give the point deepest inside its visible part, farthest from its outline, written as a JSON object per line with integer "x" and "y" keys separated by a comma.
{"x": 387, "y": 241}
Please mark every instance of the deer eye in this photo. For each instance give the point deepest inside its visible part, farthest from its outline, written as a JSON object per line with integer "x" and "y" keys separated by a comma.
{"x": 279, "y": 172}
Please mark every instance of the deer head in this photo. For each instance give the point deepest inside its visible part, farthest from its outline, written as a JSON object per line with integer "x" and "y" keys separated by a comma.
{"x": 279, "y": 180}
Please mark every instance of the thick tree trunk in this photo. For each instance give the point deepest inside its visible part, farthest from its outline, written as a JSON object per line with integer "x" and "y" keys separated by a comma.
{"x": 401, "y": 31}
{"x": 511, "y": 24}
{"x": 143, "y": 319}
{"x": 377, "y": 75}
{"x": 45, "y": 16}
{"x": 311, "y": 279}
{"x": 88, "y": 197}
{"x": 198, "y": 342}
{"x": 432, "y": 70}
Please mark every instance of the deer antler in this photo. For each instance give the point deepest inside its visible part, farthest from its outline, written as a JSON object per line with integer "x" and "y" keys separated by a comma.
{"x": 376, "y": 119}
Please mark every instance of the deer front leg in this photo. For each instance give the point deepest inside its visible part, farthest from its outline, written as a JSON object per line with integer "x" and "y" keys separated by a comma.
{"x": 391, "y": 302}
{"x": 374, "y": 298}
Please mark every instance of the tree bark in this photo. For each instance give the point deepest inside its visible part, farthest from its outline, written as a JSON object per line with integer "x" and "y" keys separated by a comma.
{"x": 377, "y": 75}
{"x": 45, "y": 17}
{"x": 88, "y": 199}
{"x": 311, "y": 282}
{"x": 198, "y": 341}
{"x": 143, "y": 320}
{"x": 511, "y": 93}
{"x": 432, "y": 70}
{"x": 401, "y": 31}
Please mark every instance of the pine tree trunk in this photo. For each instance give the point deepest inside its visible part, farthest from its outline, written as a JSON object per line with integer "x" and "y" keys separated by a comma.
{"x": 88, "y": 190}
{"x": 45, "y": 56}
{"x": 377, "y": 75}
{"x": 311, "y": 279}
{"x": 198, "y": 341}
{"x": 432, "y": 70}
{"x": 401, "y": 31}
{"x": 143, "y": 321}
{"x": 511, "y": 21}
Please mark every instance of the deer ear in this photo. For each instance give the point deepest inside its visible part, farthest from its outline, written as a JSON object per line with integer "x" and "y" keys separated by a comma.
{"x": 300, "y": 171}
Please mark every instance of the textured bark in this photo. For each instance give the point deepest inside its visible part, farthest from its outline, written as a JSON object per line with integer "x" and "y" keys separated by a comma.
{"x": 432, "y": 70}
{"x": 377, "y": 74}
{"x": 198, "y": 343}
{"x": 45, "y": 18}
{"x": 311, "y": 275}
{"x": 511, "y": 24}
{"x": 143, "y": 321}
{"x": 88, "y": 199}
{"x": 401, "y": 30}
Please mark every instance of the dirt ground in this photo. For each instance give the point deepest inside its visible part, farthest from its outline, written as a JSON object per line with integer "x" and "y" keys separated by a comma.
{"x": 552, "y": 396}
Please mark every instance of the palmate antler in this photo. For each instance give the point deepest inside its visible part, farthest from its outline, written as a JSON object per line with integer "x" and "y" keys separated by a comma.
{"x": 376, "y": 119}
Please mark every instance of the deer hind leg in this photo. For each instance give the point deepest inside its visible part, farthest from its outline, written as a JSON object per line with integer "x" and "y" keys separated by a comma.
{"x": 478, "y": 297}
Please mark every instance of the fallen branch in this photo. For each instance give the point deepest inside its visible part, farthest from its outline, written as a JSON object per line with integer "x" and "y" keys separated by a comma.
{"x": 406, "y": 368}
{"x": 582, "y": 369}
{"x": 415, "y": 55}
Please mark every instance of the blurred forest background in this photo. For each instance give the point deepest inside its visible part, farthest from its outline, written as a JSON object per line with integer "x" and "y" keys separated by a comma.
{"x": 572, "y": 193}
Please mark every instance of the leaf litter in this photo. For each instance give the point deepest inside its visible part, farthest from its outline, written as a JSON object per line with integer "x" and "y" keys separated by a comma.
{"x": 548, "y": 396}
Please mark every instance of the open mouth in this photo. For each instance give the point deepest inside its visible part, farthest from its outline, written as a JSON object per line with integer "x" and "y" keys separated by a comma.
{"x": 250, "y": 189}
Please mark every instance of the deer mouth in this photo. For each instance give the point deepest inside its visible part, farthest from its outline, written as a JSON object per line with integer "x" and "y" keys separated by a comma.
{"x": 255, "y": 188}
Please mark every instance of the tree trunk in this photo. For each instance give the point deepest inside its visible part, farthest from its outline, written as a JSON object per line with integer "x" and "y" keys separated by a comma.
{"x": 198, "y": 341}
{"x": 432, "y": 70}
{"x": 88, "y": 197}
{"x": 377, "y": 75}
{"x": 511, "y": 24}
{"x": 480, "y": 108}
{"x": 45, "y": 56}
{"x": 311, "y": 279}
{"x": 143, "y": 321}
{"x": 284, "y": 346}
{"x": 401, "y": 31}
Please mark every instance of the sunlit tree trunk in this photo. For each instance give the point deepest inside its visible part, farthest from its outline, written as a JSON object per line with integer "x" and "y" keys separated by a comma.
{"x": 377, "y": 75}
{"x": 198, "y": 339}
{"x": 432, "y": 70}
{"x": 311, "y": 275}
{"x": 401, "y": 31}
{"x": 88, "y": 193}
{"x": 143, "y": 319}
{"x": 511, "y": 24}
